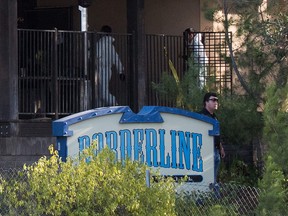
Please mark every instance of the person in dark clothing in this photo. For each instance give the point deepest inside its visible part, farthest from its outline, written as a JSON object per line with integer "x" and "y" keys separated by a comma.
{"x": 210, "y": 103}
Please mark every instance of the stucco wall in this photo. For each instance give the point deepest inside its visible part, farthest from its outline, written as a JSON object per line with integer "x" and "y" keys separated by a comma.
{"x": 170, "y": 17}
{"x": 161, "y": 16}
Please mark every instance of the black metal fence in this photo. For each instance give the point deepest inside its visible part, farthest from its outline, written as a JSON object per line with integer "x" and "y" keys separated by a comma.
{"x": 162, "y": 48}
{"x": 58, "y": 72}
{"x": 64, "y": 72}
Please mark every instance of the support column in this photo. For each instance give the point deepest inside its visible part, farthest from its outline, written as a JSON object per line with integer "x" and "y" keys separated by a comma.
{"x": 8, "y": 64}
{"x": 136, "y": 25}
{"x": 24, "y": 141}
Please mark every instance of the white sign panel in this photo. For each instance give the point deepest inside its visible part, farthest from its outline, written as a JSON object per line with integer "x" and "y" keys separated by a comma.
{"x": 174, "y": 141}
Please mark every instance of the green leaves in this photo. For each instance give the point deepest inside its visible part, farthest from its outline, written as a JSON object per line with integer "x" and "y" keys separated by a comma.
{"x": 240, "y": 121}
{"x": 101, "y": 187}
{"x": 276, "y": 125}
{"x": 272, "y": 199}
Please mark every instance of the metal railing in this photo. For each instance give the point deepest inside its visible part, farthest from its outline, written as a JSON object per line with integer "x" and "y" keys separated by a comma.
{"x": 64, "y": 72}
{"x": 58, "y": 74}
{"x": 162, "y": 48}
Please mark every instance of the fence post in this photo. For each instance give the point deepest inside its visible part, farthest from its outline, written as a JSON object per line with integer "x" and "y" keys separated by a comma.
{"x": 84, "y": 28}
{"x": 55, "y": 74}
{"x": 148, "y": 178}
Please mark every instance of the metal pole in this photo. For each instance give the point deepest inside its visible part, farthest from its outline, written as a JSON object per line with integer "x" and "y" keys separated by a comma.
{"x": 84, "y": 18}
{"x": 84, "y": 28}
{"x": 148, "y": 178}
{"x": 55, "y": 75}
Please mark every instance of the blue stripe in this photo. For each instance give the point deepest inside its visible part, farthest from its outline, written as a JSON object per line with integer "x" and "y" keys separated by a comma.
{"x": 148, "y": 114}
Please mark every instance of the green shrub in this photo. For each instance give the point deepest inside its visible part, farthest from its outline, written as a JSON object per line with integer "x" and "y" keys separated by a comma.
{"x": 239, "y": 120}
{"x": 238, "y": 172}
{"x": 272, "y": 198}
{"x": 101, "y": 186}
{"x": 186, "y": 93}
{"x": 219, "y": 210}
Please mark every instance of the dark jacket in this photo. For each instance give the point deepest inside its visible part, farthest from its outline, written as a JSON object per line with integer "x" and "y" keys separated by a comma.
{"x": 217, "y": 139}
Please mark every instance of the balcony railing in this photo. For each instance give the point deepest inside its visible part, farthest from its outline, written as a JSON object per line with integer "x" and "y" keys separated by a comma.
{"x": 64, "y": 72}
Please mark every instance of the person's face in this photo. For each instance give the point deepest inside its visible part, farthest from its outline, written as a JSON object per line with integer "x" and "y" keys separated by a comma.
{"x": 190, "y": 36}
{"x": 212, "y": 104}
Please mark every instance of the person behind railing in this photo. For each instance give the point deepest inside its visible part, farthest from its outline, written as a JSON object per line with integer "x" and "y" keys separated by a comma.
{"x": 106, "y": 59}
{"x": 195, "y": 49}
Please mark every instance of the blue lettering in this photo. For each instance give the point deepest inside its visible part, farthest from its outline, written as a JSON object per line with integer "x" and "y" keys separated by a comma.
{"x": 173, "y": 149}
{"x": 162, "y": 150}
{"x": 138, "y": 142}
{"x": 197, "y": 158}
{"x": 98, "y": 137}
{"x": 185, "y": 152}
{"x": 111, "y": 141}
{"x": 184, "y": 149}
{"x": 151, "y": 143}
{"x": 125, "y": 143}
{"x": 84, "y": 142}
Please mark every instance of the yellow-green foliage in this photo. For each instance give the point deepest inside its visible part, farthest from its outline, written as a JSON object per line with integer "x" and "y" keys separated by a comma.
{"x": 272, "y": 198}
{"x": 91, "y": 185}
{"x": 220, "y": 210}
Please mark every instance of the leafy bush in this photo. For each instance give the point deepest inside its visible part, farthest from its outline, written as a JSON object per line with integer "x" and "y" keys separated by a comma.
{"x": 272, "y": 198}
{"x": 239, "y": 120}
{"x": 276, "y": 125}
{"x": 203, "y": 203}
{"x": 186, "y": 93}
{"x": 239, "y": 172}
{"x": 91, "y": 185}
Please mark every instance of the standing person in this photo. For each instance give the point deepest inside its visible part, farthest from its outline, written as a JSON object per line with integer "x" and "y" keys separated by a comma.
{"x": 106, "y": 58}
{"x": 210, "y": 103}
{"x": 188, "y": 35}
{"x": 195, "y": 49}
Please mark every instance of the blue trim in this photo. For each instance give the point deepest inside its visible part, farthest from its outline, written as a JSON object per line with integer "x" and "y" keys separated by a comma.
{"x": 148, "y": 114}
{"x": 62, "y": 147}
{"x": 60, "y": 127}
{"x": 152, "y": 114}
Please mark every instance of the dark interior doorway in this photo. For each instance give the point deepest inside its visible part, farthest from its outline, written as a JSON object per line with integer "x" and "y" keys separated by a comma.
{"x": 47, "y": 18}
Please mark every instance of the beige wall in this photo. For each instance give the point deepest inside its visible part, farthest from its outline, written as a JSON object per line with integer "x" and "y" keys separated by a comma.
{"x": 171, "y": 17}
{"x": 107, "y": 12}
{"x": 161, "y": 16}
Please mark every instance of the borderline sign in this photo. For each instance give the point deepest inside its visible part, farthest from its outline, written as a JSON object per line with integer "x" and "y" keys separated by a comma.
{"x": 173, "y": 141}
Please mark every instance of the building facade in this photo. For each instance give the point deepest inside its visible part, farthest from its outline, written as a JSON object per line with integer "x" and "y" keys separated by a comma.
{"x": 25, "y": 140}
